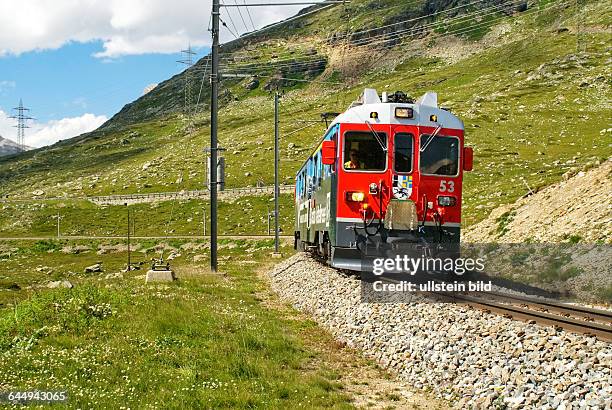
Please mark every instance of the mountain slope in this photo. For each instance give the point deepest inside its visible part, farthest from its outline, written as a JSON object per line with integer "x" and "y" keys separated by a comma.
{"x": 9, "y": 147}
{"x": 531, "y": 86}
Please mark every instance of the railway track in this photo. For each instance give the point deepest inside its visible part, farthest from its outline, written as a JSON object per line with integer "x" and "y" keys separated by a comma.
{"x": 572, "y": 318}
{"x": 569, "y": 317}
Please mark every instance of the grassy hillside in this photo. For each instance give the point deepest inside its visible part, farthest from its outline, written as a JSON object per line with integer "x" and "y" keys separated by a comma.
{"x": 532, "y": 87}
{"x": 242, "y": 216}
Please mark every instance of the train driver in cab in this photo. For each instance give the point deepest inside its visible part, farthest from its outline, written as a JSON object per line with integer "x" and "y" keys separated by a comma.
{"x": 354, "y": 162}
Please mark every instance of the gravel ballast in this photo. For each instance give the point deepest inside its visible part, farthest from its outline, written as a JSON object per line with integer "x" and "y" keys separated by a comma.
{"x": 464, "y": 355}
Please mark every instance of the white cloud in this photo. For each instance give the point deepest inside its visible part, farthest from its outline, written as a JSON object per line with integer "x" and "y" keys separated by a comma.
{"x": 124, "y": 27}
{"x": 48, "y": 133}
{"x": 6, "y": 126}
{"x": 6, "y": 85}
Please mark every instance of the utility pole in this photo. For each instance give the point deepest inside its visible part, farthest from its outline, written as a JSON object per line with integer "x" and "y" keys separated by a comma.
{"x": 21, "y": 115}
{"x": 276, "y": 188}
{"x": 129, "y": 253}
{"x": 58, "y": 224}
{"x": 214, "y": 114}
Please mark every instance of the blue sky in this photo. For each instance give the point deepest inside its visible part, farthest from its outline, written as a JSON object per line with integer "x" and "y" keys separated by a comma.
{"x": 69, "y": 81}
{"x": 75, "y": 64}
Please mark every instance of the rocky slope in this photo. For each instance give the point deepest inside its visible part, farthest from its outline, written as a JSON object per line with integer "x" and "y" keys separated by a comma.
{"x": 558, "y": 238}
{"x": 579, "y": 209}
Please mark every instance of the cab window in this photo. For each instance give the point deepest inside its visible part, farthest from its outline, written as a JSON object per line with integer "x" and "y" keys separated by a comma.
{"x": 363, "y": 151}
{"x": 403, "y": 153}
{"x": 439, "y": 156}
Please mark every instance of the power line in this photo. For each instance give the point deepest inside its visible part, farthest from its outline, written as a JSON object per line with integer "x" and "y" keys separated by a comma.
{"x": 22, "y": 117}
{"x": 296, "y": 64}
{"x": 231, "y": 21}
{"x": 201, "y": 86}
{"x": 242, "y": 18}
{"x": 398, "y": 35}
{"x": 463, "y": 30}
{"x": 409, "y": 20}
{"x": 388, "y": 36}
{"x": 249, "y": 13}
{"x": 187, "y": 59}
{"x": 303, "y": 80}
{"x": 228, "y": 29}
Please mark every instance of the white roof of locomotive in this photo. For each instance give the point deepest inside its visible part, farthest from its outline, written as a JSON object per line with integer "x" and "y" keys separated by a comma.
{"x": 424, "y": 108}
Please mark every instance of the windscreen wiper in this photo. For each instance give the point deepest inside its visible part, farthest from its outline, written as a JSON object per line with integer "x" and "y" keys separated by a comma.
{"x": 380, "y": 142}
{"x": 436, "y": 131}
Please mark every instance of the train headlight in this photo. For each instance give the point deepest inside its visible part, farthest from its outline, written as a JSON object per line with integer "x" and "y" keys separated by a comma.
{"x": 447, "y": 200}
{"x": 404, "y": 112}
{"x": 355, "y": 196}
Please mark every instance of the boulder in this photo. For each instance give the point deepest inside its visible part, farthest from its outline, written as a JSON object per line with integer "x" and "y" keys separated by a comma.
{"x": 252, "y": 84}
{"x": 94, "y": 268}
{"x": 60, "y": 284}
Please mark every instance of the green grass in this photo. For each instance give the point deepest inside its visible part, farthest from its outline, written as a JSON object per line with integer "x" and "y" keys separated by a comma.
{"x": 201, "y": 342}
{"x": 526, "y": 118}
{"x": 503, "y": 221}
{"x": 244, "y": 215}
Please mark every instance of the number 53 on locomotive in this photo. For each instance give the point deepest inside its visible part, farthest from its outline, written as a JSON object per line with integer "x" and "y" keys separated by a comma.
{"x": 387, "y": 174}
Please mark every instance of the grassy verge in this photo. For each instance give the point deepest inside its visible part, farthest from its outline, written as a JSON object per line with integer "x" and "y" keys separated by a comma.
{"x": 202, "y": 342}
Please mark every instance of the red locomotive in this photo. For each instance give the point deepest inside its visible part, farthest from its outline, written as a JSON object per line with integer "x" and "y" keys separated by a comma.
{"x": 388, "y": 172}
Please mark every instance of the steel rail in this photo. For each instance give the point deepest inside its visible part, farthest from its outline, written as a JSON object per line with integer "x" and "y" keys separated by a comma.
{"x": 566, "y": 322}
{"x": 600, "y": 331}
{"x": 559, "y": 307}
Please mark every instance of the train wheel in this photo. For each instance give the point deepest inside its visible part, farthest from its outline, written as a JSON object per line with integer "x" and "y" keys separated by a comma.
{"x": 327, "y": 251}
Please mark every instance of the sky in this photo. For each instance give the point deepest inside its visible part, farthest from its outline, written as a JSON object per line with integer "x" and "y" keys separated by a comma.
{"x": 75, "y": 63}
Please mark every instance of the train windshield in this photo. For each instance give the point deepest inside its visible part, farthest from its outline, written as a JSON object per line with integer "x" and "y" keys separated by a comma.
{"x": 403, "y": 153}
{"x": 362, "y": 152}
{"x": 439, "y": 156}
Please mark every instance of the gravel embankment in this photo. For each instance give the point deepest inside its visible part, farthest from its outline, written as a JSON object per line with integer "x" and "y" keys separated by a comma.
{"x": 464, "y": 355}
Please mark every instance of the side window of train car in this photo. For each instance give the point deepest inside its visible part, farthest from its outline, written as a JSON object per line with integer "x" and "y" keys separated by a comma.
{"x": 363, "y": 151}
{"x": 300, "y": 185}
{"x": 316, "y": 170}
{"x": 319, "y": 168}
{"x": 439, "y": 156}
{"x": 332, "y": 136}
{"x": 309, "y": 177}
{"x": 403, "y": 152}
